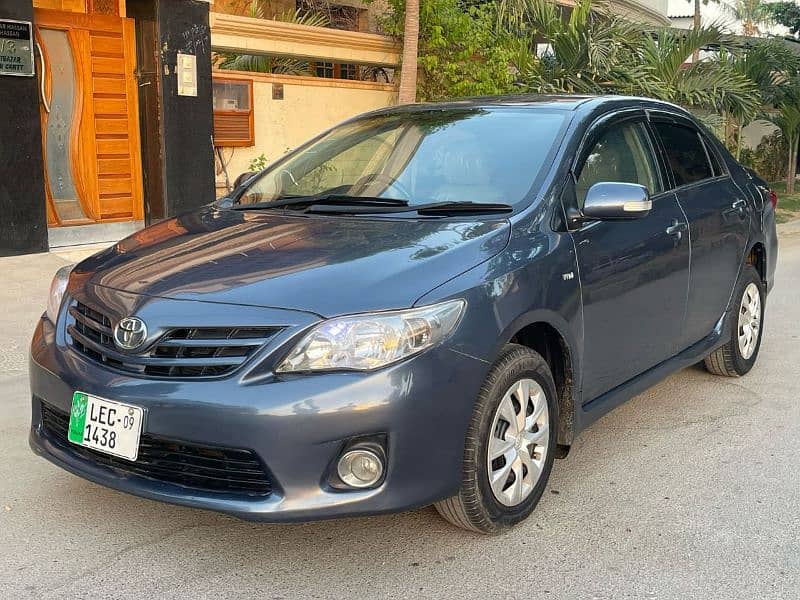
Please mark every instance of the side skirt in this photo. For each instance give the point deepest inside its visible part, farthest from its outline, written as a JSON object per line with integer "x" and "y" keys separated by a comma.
{"x": 594, "y": 409}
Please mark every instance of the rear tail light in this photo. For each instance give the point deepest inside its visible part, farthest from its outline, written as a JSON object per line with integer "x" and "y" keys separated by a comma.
{"x": 773, "y": 198}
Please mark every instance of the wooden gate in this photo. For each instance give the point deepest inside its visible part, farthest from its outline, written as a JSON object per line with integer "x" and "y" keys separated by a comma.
{"x": 90, "y": 118}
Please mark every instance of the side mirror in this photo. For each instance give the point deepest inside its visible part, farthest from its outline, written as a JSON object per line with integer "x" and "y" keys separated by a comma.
{"x": 616, "y": 200}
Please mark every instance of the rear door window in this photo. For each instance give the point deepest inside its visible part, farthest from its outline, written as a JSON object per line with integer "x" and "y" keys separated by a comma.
{"x": 686, "y": 154}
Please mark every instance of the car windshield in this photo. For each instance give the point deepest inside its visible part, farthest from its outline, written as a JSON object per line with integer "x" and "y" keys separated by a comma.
{"x": 481, "y": 155}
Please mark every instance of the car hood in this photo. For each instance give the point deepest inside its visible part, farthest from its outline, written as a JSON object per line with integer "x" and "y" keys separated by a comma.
{"x": 327, "y": 266}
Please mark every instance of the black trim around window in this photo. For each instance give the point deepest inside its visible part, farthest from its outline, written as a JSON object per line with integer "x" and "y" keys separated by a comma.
{"x": 662, "y": 116}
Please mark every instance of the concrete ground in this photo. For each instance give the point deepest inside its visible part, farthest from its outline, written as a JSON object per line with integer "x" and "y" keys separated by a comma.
{"x": 690, "y": 490}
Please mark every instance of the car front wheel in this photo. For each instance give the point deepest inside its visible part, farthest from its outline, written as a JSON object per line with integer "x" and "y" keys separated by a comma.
{"x": 510, "y": 445}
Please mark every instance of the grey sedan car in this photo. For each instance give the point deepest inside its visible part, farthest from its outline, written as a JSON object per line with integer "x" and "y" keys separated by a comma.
{"x": 423, "y": 305}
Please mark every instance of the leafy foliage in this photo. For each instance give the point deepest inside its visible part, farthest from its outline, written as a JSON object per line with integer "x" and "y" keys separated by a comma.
{"x": 595, "y": 52}
{"x": 752, "y": 13}
{"x": 768, "y": 64}
{"x": 769, "y": 158}
{"x": 475, "y": 47}
{"x": 589, "y": 52}
{"x": 259, "y": 163}
{"x": 788, "y": 119}
{"x": 460, "y": 54}
{"x": 708, "y": 84}
{"x": 786, "y": 14}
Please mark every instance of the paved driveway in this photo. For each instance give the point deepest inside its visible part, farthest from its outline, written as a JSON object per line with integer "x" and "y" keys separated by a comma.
{"x": 688, "y": 491}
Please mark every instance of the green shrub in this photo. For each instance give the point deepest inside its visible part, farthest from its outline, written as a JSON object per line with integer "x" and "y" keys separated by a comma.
{"x": 768, "y": 159}
{"x": 459, "y": 52}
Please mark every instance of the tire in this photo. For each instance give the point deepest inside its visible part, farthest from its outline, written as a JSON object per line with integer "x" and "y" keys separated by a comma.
{"x": 735, "y": 359}
{"x": 518, "y": 372}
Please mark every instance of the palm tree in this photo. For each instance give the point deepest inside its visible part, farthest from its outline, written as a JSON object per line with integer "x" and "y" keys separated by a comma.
{"x": 593, "y": 52}
{"x": 698, "y": 21}
{"x": 752, "y": 14}
{"x": 788, "y": 119}
{"x": 408, "y": 71}
{"x": 589, "y": 52}
{"x": 710, "y": 84}
{"x": 769, "y": 65}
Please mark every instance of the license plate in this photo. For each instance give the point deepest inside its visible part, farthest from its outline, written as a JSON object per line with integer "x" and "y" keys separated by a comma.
{"x": 105, "y": 425}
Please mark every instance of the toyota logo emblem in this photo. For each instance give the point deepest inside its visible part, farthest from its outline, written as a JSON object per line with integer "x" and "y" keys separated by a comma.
{"x": 130, "y": 333}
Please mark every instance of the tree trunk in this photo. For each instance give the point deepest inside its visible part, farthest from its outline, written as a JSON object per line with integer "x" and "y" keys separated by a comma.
{"x": 791, "y": 171}
{"x": 697, "y": 24}
{"x": 408, "y": 68}
{"x": 739, "y": 140}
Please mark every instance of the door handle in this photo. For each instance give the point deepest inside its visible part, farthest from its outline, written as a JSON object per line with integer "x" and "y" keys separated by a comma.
{"x": 739, "y": 205}
{"x": 677, "y": 228}
{"x": 42, "y": 79}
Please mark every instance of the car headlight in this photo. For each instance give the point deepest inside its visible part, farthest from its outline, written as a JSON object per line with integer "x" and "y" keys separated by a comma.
{"x": 57, "y": 289}
{"x": 372, "y": 340}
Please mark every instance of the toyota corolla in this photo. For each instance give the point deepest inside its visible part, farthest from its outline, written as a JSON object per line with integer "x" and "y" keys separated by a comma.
{"x": 423, "y": 305}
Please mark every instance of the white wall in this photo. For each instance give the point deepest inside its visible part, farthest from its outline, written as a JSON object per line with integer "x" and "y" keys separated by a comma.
{"x": 756, "y": 131}
{"x": 657, "y": 5}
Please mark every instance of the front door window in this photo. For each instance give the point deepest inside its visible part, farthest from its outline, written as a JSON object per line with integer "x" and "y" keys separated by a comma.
{"x": 621, "y": 154}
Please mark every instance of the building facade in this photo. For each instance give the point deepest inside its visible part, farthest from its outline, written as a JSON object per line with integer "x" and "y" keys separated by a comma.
{"x": 681, "y": 14}
{"x": 111, "y": 97}
{"x": 336, "y": 72}
{"x": 125, "y": 112}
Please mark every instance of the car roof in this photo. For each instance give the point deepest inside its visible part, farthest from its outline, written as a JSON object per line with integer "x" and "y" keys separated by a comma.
{"x": 565, "y": 102}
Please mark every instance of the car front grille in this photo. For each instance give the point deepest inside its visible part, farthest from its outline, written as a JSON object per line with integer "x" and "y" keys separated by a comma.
{"x": 230, "y": 471}
{"x": 180, "y": 352}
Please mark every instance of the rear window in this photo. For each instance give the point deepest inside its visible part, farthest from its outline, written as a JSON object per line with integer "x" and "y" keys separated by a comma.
{"x": 686, "y": 153}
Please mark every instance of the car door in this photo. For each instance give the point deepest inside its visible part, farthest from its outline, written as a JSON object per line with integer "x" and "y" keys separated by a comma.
{"x": 719, "y": 221}
{"x": 634, "y": 273}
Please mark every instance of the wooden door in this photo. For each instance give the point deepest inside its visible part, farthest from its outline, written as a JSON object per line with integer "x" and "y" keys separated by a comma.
{"x": 90, "y": 119}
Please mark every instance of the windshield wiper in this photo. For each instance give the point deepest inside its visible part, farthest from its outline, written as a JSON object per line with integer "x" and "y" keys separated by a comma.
{"x": 342, "y": 204}
{"x": 326, "y": 200}
{"x": 432, "y": 208}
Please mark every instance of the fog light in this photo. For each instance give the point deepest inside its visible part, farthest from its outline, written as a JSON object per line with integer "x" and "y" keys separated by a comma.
{"x": 360, "y": 468}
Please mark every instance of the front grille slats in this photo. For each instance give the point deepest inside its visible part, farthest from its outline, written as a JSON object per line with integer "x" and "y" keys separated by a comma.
{"x": 180, "y": 352}
{"x": 91, "y": 320}
{"x": 99, "y": 351}
{"x": 213, "y": 469}
{"x": 222, "y": 343}
{"x": 187, "y": 360}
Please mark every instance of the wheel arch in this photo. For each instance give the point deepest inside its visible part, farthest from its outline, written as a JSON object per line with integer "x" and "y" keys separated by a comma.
{"x": 549, "y": 342}
{"x": 757, "y": 256}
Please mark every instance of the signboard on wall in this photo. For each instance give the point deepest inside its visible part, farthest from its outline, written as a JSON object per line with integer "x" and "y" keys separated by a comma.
{"x": 16, "y": 48}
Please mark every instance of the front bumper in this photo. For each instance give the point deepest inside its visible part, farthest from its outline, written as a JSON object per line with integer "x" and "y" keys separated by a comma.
{"x": 297, "y": 426}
